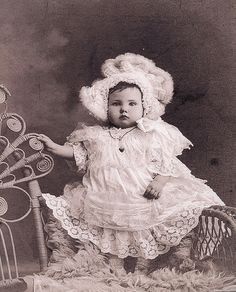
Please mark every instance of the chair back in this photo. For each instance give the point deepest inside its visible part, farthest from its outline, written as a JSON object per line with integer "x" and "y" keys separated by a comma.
{"x": 22, "y": 163}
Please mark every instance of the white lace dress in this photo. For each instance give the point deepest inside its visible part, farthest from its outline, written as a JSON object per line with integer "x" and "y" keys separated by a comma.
{"x": 108, "y": 207}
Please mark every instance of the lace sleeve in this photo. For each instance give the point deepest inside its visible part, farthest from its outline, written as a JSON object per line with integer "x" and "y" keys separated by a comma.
{"x": 75, "y": 139}
{"x": 176, "y": 142}
{"x": 80, "y": 139}
{"x": 79, "y": 164}
{"x": 85, "y": 133}
{"x": 162, "y": 151}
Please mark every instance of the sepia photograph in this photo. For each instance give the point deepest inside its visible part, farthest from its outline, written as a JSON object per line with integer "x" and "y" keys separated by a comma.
{"x": 117, "y": 152}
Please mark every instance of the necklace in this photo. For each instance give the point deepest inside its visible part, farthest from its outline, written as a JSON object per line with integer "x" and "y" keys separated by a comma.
{"x": 118, "y": 134}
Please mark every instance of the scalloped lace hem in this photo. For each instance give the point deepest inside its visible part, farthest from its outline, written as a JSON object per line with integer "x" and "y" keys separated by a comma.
{"x": 148, "y": 243}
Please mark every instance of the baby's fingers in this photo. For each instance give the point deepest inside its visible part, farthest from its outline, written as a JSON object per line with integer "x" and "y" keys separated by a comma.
{"x": 41, "y": 136}
{"x": 149, "y": 194}
{"x": 146, "y": 194}
{"x": 156, "y": 195}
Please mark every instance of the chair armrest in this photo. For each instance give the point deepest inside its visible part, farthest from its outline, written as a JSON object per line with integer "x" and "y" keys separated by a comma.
{"x": 215, "y": 236}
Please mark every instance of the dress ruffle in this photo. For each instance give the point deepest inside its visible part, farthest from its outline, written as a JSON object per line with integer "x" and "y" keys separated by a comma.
{"x": 175, "y": 219}
{"x": 148, "y": 243}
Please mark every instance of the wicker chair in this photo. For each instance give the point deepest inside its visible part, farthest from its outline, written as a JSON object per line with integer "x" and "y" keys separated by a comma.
{"x": 22, "y": 162}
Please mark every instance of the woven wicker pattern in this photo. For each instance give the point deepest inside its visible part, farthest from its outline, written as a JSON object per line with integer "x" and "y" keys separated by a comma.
{"x": 22, "y": 160}
{"x": 216, "y": 236}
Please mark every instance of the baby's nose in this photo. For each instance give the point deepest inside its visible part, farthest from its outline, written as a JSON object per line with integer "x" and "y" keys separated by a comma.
{"x": 123, "y": 109}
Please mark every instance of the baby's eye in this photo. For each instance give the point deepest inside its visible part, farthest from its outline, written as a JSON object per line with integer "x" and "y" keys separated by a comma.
{"x": 115, "y": 103}
{"x": 132, "y": 103}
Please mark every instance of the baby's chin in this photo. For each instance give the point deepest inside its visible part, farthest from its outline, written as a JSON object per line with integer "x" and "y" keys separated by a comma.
{"x": 124, "y": 124}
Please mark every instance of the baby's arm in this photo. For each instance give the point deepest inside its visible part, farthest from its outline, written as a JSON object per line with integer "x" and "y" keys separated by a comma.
{"x": 154, "y": 188}
{"x": 65, "y": 151}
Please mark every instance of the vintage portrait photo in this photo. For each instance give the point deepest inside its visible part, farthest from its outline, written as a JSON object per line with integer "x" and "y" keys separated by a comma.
{"x": 117, "y": 146}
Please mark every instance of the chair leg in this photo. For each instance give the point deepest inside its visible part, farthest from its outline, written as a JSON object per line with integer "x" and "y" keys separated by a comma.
{"x": 13, "y": 285}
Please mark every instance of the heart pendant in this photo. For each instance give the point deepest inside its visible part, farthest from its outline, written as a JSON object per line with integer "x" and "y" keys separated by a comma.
{"x": 121, "y": 149}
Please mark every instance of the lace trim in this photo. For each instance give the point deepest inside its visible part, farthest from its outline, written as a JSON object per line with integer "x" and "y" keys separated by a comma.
{"x": 80, "y": 156}
{"x": 147, "y": 243}
{"x": 86, "y": 133}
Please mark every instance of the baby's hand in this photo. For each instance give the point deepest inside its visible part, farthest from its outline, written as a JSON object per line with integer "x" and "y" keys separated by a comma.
{"x": 65, "y": 151}
{"x": 154, "y": 188}
{"x": 48, "y": 143}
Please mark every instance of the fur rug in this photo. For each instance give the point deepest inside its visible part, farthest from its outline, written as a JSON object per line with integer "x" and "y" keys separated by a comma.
{"x": 161, "y": 281}
{"x": 79, "y": 267}
{"x": 89, "y": 271}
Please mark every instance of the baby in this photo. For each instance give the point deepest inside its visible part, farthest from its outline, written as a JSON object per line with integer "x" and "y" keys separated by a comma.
{"x": 136, "y": 198}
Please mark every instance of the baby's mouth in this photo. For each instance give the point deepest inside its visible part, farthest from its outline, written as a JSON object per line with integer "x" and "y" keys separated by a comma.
{"x": 123, "y": 117}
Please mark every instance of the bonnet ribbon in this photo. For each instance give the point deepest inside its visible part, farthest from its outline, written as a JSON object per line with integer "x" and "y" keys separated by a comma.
{"x": 147, "y": 125}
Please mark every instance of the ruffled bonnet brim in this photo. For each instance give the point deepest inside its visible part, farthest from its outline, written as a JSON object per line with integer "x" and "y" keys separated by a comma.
{"x": 155, "y": 84}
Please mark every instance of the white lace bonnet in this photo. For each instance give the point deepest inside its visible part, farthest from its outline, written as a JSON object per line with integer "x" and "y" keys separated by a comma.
{"x": 156, "y": 85}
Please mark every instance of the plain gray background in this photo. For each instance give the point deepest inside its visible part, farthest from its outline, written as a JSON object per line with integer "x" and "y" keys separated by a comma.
{"x": 49, "y": 49}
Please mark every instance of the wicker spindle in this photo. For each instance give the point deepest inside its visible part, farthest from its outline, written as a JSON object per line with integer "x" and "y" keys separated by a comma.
{"x": 35, "y": 193}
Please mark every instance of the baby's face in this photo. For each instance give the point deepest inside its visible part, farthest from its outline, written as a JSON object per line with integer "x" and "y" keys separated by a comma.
{"x": 125, "y": 107}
